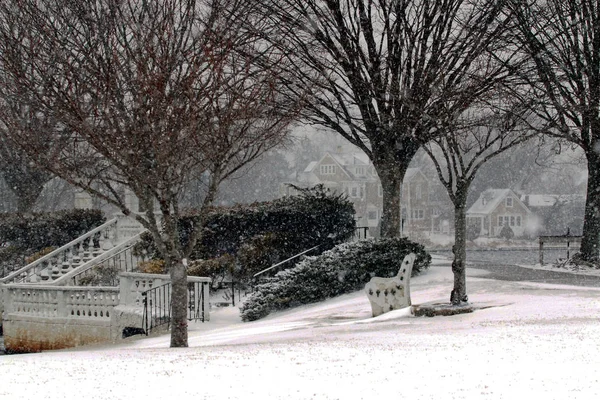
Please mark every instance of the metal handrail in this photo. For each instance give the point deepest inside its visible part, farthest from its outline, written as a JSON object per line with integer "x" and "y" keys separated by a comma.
{"x": 58, "y": 251}
{"x": 284, "y": 261}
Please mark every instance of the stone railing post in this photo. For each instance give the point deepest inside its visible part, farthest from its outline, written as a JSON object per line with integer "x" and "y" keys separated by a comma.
{"x": 6, "y": 295}
{"x": 61, "y": 303}
{"x": 206, "y": 299}
{"x": 125, "y": 283}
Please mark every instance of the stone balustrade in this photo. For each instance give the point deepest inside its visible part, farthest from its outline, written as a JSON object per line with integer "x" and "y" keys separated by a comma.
{"x": 68, "y": 257}
{"x": 45, "y": 317}
{"x": 60, "y": 301}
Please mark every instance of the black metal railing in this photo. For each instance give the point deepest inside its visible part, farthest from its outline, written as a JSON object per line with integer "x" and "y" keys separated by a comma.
{"x": 279, "y": 264}
{"x": 157, "y": 305}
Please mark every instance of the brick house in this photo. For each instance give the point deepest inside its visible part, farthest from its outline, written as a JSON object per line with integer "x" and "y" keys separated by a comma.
{"x": 354, "y": 175}
{"x": 496, "y": 208}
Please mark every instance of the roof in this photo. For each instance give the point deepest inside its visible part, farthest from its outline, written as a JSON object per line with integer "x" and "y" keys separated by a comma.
{"x": 548, "y": 200}
{"x": 310, "y": 166}
{"x": 490, "y": 199}
{"x": 411, "y": 173}
{"x": 346, "y": 159}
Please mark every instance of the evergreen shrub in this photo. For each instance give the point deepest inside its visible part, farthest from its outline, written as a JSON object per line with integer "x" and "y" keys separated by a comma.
{"x": 36, "y": 231}
{"x": 506, "y": 232}
{"x": 343, "y": 269}
{"x": 261, "y": 234}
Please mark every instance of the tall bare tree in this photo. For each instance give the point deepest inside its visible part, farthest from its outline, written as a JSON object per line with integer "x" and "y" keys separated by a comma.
{"x": 387, "y": 74}
{"x": 482, "y": 133}
{"x": 141, "y": 95}
{"x": 562, "y": 40}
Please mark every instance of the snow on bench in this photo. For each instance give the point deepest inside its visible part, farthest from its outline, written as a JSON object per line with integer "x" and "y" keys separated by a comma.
{"x": 387, "y": 294}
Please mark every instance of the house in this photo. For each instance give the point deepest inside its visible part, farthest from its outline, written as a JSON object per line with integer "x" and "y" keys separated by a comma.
{"x": 556, "y": 214}
{"x": 496, "y": 208}
{"x": 354, "y": 175}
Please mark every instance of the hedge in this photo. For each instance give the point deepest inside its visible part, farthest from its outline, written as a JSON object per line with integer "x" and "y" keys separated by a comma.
{"x": 261, "y": 234}
{"x": 343, "y": 269}
{"x": 37, "y": 231}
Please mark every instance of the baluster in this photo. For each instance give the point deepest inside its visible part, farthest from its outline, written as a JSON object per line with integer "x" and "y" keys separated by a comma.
{"x": 108, "y": 236}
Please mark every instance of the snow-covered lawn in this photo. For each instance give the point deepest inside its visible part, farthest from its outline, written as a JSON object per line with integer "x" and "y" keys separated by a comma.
{"x": 536, "y": 341}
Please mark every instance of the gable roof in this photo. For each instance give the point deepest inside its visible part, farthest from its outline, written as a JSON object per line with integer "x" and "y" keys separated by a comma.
{"x": 348, "y": 160}
{"x": 411, "y": 173}
{"x": 490, "y": 199}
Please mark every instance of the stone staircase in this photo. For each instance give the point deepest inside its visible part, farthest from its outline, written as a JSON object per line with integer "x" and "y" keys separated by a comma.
{"x": 110, "y": 242}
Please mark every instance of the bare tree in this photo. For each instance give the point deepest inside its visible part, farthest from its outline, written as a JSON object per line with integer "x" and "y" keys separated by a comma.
{"x": 562, "y": 40}
{"x": 387, "y": 74}
{"x": 144, "y": 96}
{"x": 483, "y": 132}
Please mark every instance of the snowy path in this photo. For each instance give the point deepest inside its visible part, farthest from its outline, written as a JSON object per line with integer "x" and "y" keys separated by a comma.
{"x": 539, "y": 341}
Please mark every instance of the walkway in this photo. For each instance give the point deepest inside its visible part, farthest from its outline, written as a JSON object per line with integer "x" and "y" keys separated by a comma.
{"x": 519, "y": 274}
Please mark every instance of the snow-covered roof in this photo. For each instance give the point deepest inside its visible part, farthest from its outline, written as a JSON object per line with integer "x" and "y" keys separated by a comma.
{"x": 548, "y": 200}
{"x": 490, "y": 199}
{"x": 311, "y": 166}
{"x": 347, "y": 159}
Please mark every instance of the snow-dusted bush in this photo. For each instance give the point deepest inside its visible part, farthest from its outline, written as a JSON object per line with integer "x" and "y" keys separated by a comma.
{"x": 261, "y": 234}
{"x": 507, "y": 233}
{"x": 343, "y": 269}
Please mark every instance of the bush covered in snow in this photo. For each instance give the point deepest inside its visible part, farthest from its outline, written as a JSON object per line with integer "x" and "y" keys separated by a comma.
{"x": 261, "y": 234}
{"x": 343, "y": 269}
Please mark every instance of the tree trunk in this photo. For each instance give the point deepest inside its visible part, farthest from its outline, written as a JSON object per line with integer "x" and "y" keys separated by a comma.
{"x": 591, "y": 223}
{"x": 391, "y": 160}
{"x": 391, "y": 216}
{"x": 459, "y": 292}
{"x": 179, "y": 303}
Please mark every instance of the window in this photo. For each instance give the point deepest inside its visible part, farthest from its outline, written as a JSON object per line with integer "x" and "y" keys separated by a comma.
{"x": 509, "y": 202}
{"x": 417, "y": 214}
{"x": 418, "y": 191}
{"x": 360, "y": 171}
{"x": 510, "y": 220}
{"x": 327, "y": 169}
{"x": 435, "y": 212}
{"x": 354, "y": 191}
{"x": 380, "y": 191}
{"x": 372, "y": 215}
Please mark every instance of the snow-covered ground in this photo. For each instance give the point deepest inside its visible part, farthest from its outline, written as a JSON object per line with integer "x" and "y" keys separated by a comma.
{"x": 535, "y": 341}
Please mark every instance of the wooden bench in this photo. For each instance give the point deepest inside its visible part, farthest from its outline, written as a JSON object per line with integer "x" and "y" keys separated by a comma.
{"x": 387, "y": 294}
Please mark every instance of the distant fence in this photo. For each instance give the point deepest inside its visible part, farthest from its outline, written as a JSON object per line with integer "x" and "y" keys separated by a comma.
{"x": 563, "y": 240}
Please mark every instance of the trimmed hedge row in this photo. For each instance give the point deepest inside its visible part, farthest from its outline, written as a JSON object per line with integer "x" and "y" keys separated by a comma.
{"x": 261, "y": 234}
{"x": 36, "y": 231}
{"x": 343, "y": 269}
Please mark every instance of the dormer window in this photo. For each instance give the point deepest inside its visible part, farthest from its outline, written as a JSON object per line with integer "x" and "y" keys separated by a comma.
{"x": 509, "y": 202}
